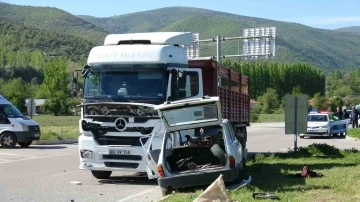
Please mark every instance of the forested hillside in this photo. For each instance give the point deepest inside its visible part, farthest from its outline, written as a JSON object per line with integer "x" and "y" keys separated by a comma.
{"x": 52, "y": 19}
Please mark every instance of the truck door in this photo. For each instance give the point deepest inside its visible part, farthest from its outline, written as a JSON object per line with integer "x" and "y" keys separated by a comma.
{"x": 184, "y": 83}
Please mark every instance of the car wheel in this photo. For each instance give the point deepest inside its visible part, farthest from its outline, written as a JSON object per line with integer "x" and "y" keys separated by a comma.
{"x": 219, "y": 153}
{"x": 25, "y": 144}
{"x": 8, "y": 140}
{"x": 301, "y": 136}
{"x": 101, "y": 174}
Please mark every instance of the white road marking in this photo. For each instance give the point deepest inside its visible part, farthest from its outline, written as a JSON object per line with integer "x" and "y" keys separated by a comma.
{"x": 10, "y": 161}
{"x": 139, "y": 194}
{"x": 65, "y": 173}
{"x": 5, "y": 160}
{"x": 18, "y": 155}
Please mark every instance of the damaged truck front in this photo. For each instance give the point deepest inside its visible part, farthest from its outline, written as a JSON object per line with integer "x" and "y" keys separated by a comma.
{"x": 123, "y": 80}
{"x": 127, "y": 77}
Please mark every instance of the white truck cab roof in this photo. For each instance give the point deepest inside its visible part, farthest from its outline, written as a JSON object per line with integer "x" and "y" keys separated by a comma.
{"x": 154, "y": 38}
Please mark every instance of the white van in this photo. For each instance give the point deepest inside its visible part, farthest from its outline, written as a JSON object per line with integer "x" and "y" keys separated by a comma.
{"x": 15, "y": 128}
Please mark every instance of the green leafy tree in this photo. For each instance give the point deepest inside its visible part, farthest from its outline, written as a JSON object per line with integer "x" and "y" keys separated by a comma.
{"x": 55, "y": 84}
{"x": 320, "y": 102}
{"x": 15, "y": 91}
{"x": 269, "y": 102}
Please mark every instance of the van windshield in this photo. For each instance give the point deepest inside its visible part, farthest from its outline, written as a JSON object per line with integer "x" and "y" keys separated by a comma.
{"x": 10, "y": 111}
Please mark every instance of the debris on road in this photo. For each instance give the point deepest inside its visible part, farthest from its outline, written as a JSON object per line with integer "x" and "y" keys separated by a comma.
{"x": 265, "y": 195}
{"x": 307, "y": 172}
{"x": 216, "y": 192}
{"x": 76, "y": 183}
{"x": 243, "y": 183}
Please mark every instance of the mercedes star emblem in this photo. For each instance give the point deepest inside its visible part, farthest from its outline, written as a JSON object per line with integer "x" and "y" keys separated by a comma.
{"x": 120, "y": 124}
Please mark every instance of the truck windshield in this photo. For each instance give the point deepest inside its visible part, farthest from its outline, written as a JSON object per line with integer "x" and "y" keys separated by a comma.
{"x": 126, "y": 82}
{"x": 10, "y": 111}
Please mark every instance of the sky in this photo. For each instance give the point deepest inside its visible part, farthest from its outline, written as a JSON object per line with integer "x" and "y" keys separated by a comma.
{"x": 325, "y": 14}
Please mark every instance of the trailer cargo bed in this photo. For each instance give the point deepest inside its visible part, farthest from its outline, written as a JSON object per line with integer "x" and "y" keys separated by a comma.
{"x": 232, "y": 87}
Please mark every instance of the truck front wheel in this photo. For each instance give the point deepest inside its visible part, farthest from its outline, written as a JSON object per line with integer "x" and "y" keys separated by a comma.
{"x": 101, "y": 174}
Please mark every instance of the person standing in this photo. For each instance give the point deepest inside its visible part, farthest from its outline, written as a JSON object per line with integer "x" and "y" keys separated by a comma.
{"x": 345, "y": 115}
{"x": 355, "y": 117}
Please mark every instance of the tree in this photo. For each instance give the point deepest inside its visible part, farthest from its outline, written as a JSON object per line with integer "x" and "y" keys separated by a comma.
{"x": 320, "y": 102}
{"x": 269, "y": 102}
{"x": 55, "y": 84}
{"x": 15, "y": 91}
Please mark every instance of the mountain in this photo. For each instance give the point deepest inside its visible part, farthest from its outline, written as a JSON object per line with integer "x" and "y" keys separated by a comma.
{"x": 52, "y": 19}
{"x": 326, "y": 49}
{"x": 16, "y": 37}
{"x": 353, "y": 29}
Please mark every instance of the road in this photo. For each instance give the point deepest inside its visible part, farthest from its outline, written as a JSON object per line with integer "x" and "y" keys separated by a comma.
{"x": 45, "y": 173}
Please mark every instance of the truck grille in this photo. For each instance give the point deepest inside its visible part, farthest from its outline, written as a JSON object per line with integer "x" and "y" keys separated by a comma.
{"x": 34, "y": 128}
{"x": 122, "y": 157}
{"x": 121, "y": 165}
{"x": 133, "y": 141}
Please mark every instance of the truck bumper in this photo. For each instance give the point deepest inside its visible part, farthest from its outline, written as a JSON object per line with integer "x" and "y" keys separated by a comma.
{"x": 24, "y": 136}
{"x": 98, "y": 157}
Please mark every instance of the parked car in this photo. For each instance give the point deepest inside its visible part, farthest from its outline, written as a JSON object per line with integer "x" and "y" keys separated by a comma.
{"x": 197, "y": 147}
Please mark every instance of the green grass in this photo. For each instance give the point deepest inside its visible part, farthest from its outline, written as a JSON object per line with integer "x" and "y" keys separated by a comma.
{"x": 58, "y": 127}
{"x": 263, "y": 118}
{"x": 354, "y": 132}
{"x": 274, "y": 173}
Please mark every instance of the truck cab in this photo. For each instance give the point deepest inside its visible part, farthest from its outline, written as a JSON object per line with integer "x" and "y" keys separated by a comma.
{"x": 123, "y": 80}
{"x": 15, "y": 128}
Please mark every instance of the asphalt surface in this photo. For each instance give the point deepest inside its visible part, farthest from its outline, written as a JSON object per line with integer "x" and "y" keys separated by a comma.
{"x": 46, "y": 173}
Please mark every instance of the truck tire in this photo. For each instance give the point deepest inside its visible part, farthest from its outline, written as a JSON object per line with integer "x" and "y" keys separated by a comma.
{"x": 25, "y": 144}
{"x": 8, "y": 140}
{"x": 167, "y": 191}
{"x": 219, "y": 153}
{"x": 101, "y": 174}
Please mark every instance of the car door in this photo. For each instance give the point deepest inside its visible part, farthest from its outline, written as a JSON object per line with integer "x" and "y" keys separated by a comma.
{"x": 235, "y": 143}
{"x": 152, "y": 154}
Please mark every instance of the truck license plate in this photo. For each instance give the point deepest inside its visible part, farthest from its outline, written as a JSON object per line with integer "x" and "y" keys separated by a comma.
{"x": 119, "y": 152}
{"x": 37, "y": 135}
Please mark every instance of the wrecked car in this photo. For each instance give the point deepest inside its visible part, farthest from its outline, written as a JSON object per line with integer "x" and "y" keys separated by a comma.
{"x": 198, "y": 145}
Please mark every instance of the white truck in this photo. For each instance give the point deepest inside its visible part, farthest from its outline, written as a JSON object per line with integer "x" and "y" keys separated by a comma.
{"x": 15, "y": 128}
{"x": 124, "y": 80}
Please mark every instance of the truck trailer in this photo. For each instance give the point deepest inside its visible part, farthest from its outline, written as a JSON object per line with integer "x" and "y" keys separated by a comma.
{"x": 127, "y": 77}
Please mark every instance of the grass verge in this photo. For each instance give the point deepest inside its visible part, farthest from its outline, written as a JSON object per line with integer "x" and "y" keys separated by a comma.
{"x": 354, "y": 132}
{"x": 274, "y": 173}
{"x": 58, "y": 127}
{"x": 263, "y": 118}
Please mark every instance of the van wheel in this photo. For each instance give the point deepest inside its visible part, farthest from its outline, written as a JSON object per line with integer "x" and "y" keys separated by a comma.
{"x": 219, "y": 153}
{"x": 8, "y": 140}
{"x": 25, "y": 144}
{"x": 101, "y": 174}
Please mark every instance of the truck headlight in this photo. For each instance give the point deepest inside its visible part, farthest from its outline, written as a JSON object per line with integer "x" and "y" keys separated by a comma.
{"x": 86, "y": 154}
{"x": 24, "y": 127}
